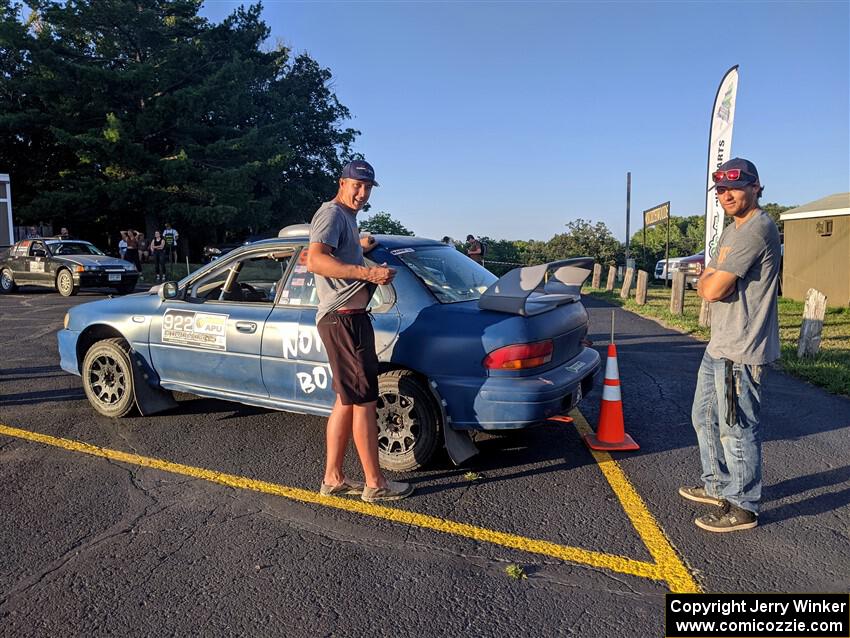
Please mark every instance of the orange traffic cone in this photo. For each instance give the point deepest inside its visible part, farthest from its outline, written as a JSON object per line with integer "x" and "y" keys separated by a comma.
{"x": 611, "y": 435}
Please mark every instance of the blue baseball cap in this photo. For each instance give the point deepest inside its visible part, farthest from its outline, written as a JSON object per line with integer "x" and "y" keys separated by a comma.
{"x": 744, "y": 172}
{"x": 361, "y": 170}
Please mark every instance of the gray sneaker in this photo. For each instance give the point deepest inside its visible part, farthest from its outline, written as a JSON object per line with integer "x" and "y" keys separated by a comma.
{"x": 394, "y": 491}
{"x": 348, "y": 487}
{"x": 729, "y": 518}
{"x": 699, "y": 495}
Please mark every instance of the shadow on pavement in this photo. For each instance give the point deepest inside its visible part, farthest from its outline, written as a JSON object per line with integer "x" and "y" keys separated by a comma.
{"x": 47, "y": 396}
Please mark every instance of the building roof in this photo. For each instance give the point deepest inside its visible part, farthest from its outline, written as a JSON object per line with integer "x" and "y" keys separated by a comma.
{"x": 830, "y": 206}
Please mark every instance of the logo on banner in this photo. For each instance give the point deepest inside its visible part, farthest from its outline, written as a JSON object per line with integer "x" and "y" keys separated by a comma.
{"x": 725, "y": 109}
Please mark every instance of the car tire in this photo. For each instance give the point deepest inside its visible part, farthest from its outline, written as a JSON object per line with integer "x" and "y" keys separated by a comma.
{"x": 408, "y": 422}
{"x": 7, "y": 281}
{"x": 65, "y": 283}
{"x": 108, "y": 377}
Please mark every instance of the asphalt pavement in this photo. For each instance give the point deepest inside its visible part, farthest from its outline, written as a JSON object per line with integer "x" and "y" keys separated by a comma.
{"x": 96, "y": 545}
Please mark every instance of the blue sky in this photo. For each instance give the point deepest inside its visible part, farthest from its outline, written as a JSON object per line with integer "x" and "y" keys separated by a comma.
{"x": 511, "y": 119}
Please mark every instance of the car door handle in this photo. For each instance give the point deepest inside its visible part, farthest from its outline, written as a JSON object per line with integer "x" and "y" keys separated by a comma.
{"x": 246, "y": 326}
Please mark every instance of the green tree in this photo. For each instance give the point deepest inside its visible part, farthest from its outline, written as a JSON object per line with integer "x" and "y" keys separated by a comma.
{"x": 687, "y": 237}
{"x": 129, "y": 114}
{"x": 775, "y": 210}
{"x": 383, "y": 224}
{"x": 585, "y": 239}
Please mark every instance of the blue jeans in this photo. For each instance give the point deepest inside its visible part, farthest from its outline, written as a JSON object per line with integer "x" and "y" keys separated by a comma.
{"x": 726, "y": 420}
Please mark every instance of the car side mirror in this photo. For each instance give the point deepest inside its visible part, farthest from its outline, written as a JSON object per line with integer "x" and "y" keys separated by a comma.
{"x": 38, "y": 253}
{"x": 168, "y": 290}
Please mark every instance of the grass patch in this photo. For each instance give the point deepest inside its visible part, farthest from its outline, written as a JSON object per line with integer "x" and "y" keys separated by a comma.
{"x": 830, "y": 369}
{"x": 517, "y": 572}
{"x": 177, "y": 271}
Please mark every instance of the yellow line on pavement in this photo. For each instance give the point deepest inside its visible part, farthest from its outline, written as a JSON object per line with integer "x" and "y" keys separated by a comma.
{"x": 667, "y": 560}
{"x": 611, "y": 562}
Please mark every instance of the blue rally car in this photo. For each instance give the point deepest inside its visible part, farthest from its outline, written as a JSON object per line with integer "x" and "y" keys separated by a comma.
{"x": 460, "y": 349}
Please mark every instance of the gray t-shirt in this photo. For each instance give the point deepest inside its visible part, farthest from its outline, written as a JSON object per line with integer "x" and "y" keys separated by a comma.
{"x": 745, "y": 325}
{"x": 336, "y": 226}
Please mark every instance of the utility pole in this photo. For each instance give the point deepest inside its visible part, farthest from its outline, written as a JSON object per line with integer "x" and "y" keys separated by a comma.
{"x": 628, "y": 208}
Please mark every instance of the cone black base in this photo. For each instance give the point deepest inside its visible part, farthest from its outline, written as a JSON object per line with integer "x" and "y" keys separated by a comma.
{"x": 627, "y": 444}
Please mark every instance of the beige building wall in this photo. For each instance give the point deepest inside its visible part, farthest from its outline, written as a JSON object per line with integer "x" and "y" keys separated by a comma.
{"x": 813, "y": 260}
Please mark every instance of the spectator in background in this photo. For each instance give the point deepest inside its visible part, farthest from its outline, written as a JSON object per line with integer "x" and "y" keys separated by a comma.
{"x": 171, "y": 237}
{"x": 143, "y": 248}
{"x": 32, "y": 233}
{"x": 64, "y": 234}
{"x": 132, "y": 252}
{"x": 122, "y": 245}
{"x": 157, "y": 249}
{"x": 447, "y": 241}
{"x": 474, "y": 249}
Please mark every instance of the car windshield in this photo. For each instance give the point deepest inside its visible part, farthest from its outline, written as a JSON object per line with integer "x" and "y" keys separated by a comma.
{"x": 72, "y": 248}
{"x": 449, "y": 274}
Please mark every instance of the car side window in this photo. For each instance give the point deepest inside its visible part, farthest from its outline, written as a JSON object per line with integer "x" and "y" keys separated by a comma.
{"x": 300, "y": 289}
{"x": 37, "y": 249}
{"x": 254, "y": 278}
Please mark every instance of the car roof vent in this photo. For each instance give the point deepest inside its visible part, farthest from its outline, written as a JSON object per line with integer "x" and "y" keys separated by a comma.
{"x": 295, "y": 230}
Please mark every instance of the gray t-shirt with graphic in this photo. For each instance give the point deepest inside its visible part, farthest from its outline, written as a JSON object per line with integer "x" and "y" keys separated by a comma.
{"x": 336, "y": 226}
{"x": 745, "y": 325}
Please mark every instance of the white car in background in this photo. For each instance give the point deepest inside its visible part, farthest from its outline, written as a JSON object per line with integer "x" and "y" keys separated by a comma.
{"x": 691, "y": 265}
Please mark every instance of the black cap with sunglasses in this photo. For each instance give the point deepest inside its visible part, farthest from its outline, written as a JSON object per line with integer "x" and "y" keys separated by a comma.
{"x": 736, "y": 173}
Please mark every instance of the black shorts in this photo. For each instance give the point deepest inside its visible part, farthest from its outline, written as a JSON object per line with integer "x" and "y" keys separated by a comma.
{"x": 349, "y": 341}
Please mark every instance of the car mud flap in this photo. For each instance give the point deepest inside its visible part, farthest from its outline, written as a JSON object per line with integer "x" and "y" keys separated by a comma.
{"x": 149, "y": 400}
{"x": 459, "y": 445}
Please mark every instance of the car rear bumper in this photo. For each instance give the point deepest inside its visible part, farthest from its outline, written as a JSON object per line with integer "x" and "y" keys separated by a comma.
{"x": 68, "y": 350}
{"x": 510, "y": 403}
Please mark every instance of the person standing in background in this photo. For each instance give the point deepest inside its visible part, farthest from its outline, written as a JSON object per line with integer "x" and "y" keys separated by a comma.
{"x": 157, "y": 249}
{"x": 171, "y": 237}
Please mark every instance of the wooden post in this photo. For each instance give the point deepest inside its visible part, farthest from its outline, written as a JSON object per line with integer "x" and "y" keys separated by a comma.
{"x": 705, "y": 314}
{"x": 640, "y": 293}
{"x": 627, "y": 283}
{"x": 677, "y": 294}
{"x": 612, "y": 274}
{"x": 810, "y": 330}
{"x": 597, "y": 275}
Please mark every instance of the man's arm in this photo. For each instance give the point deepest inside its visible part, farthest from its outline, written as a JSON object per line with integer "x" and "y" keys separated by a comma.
{"x": 715, "y": 285}
{"x": 321, "y": 261}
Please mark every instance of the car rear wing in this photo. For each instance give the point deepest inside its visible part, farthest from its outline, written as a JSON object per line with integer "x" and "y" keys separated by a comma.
{"x": 536, "y": 289}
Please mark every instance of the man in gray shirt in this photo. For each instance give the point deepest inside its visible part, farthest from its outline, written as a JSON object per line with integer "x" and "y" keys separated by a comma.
{"x": 345, "y": 286}
{"x": 742, "y": 285}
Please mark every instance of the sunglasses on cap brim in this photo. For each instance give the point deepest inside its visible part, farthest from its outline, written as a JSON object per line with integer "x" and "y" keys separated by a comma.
{"x": 731, "y": 174}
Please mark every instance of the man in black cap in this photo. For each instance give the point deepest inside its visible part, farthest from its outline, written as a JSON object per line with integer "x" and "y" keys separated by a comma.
{"x": 345, "y": 286}
{"x": 741, "y": 283}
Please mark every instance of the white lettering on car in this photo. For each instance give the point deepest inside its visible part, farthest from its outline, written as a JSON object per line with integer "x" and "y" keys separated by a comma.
{"x": 305, "y": 342}
{"x": 310, "y": 381}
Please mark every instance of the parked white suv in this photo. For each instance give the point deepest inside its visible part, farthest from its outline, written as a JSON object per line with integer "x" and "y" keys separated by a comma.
{"x": 692, "y": 265}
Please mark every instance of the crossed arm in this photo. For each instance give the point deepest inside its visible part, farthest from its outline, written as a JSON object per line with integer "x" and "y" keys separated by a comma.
{"x": 715, "y": 285}
{"x": 320, "y": 260}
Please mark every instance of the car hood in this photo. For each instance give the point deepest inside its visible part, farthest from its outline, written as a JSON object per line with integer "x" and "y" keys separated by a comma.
{"x": 93, "y": 260}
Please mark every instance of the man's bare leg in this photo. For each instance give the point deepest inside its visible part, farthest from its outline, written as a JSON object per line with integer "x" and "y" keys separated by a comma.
{"x": 337, "y": 436}
{"x": 365, "y": 428}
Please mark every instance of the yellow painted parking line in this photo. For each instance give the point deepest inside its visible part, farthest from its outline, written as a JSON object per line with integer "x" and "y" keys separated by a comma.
{"x": 664, "y": 570}
{"x": 667, "y": 560}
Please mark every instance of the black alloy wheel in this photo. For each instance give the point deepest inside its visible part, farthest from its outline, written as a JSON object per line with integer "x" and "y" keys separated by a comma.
{"x": 108, "y": 377}
{"x": 408, "y": 422}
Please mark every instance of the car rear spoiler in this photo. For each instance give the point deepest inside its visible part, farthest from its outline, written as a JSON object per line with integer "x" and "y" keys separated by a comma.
{"x": 535, "y": 289}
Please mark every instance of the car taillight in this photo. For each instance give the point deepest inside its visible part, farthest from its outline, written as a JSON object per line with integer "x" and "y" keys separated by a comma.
{"x": 520, "y": 356}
